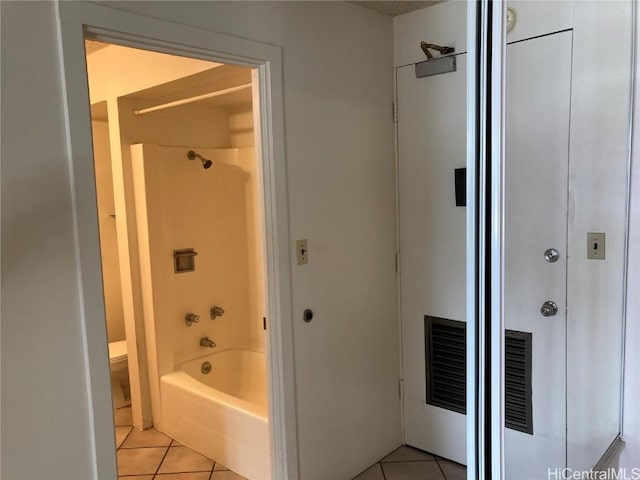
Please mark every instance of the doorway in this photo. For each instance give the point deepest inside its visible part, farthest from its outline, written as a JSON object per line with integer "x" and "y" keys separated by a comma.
{"x": 189, "y": 222}
{"x": 78, "y": 21}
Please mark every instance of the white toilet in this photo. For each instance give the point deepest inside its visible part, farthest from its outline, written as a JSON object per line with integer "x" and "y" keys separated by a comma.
{"x": 119, "y": 374}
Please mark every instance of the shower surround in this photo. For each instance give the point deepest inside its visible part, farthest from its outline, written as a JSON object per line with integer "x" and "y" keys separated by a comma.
{"x": 214, "y": 211}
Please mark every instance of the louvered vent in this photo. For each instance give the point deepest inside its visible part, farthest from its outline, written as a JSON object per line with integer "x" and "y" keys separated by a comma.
{"x": 446, "y": 357}
{"x": 517, "y": 377}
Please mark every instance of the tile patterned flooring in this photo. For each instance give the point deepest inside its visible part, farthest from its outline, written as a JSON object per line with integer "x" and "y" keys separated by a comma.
{"x": 407, "y": 463}
{"x": 151, "y": 455}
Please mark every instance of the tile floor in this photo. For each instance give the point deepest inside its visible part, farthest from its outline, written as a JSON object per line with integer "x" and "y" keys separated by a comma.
{"x": 407, "y": 463}
{"x": 151, "y": 455}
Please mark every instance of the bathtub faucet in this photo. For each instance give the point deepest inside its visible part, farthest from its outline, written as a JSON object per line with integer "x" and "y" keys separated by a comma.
{"x": 216, "y": 312}
{"x": 207, "y": 342}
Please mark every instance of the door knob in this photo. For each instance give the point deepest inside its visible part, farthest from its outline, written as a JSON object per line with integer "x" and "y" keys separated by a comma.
{"x": 551, "y": 255}
{"x": 549, "y": 309}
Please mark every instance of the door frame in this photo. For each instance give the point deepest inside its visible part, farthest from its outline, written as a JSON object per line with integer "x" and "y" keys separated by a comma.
{"x": 77, "y": 19}
{"x": 486, "y": 52}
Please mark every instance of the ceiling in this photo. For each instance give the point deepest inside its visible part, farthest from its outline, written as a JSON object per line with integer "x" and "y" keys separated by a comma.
{"x": 93, "y": 46}
{"x": 215, "y": 79}
{"x": 396, "y": 7}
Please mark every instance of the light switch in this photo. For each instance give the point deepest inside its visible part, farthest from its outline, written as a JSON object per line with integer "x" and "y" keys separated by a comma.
{"x": 596, "y": 246}
{"x": 302, "y": 253}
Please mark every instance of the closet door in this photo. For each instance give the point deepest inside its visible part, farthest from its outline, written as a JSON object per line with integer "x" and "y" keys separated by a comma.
{"x": 431, "y": 146}
{"x": 536, "y": 175}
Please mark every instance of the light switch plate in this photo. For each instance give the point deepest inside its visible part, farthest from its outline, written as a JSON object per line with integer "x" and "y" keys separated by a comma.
{"x": 302, "y": 253}
{"x": 596, "y": 246}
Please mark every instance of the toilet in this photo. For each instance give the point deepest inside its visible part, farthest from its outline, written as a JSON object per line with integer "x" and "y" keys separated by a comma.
{"x": 119, "y": 374}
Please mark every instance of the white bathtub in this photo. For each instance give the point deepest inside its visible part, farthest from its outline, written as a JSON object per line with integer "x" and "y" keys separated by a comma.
{"x": 222, "y": 415}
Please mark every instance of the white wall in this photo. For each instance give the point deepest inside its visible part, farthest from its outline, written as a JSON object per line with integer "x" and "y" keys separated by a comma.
{"x": 339, "y": 142}
{"x": 108, "y": 240}
{"x": 597, "y": 189}
{"x": 339, "y": 138}
{"x": 45, "y": 404}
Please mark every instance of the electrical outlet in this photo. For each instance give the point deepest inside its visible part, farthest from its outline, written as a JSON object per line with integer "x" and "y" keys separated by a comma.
{"x": 596, "y": 246}
{"x": 302, "y": 253}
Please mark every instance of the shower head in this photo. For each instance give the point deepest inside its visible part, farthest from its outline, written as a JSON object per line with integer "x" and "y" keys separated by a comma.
{"x": 191, "y": 155}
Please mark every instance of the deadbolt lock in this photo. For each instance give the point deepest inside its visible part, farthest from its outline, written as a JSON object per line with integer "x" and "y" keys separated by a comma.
{"x": 549, "y": 309}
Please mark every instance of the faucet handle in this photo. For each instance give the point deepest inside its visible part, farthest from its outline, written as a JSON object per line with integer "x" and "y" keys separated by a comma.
{"x": 191, "y": 318}
{"x": 216, "y": 311}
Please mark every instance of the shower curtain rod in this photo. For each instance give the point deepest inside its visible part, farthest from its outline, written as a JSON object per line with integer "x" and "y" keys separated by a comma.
{"x": 197, "y": 98}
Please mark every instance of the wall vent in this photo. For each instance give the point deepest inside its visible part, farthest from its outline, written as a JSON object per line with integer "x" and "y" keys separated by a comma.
{"x": 446, "y": 361}
{"x": 517, "y": 377}
{"x": 446, "y": 357}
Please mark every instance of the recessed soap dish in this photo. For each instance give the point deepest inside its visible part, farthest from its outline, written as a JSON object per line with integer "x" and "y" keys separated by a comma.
{"x": 184, "y": 260}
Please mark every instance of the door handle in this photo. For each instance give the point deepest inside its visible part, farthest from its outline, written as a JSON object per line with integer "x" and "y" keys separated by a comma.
{"x": 551, "y": 255}
{"x": 549, "y": 309}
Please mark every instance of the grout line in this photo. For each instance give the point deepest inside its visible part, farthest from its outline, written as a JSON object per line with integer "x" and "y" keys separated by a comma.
{"x": 144, "y": 446}
{"x": 409, "y": 461}
{"x": 125, "y": 437}
{"x": 382, "y": 470}
{"x": 160, "y": 464}
{"x": 444, "y": 475}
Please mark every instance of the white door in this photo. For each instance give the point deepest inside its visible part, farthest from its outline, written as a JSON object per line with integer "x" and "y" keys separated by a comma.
{"x": 537, "y": 161}
{"x": 431, "y": 145}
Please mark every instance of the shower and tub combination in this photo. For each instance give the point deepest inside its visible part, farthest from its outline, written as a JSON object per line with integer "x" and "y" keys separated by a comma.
{"x": 204, "y": 297}
{"x": 217, "y": 404}
{"x": 179, "y": 185}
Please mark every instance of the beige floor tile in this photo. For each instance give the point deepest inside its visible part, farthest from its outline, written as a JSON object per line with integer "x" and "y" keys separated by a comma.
{"x": 183, "y": 476}
{"x": 139, "y": 461}
{"x": 219, "y": 466}
{"x": 122, "y": 416}
{"x": 121, "y": 434}
{"x": 183, "y": 459}
{"x": 136, "y": 477}
{"x": 372, "y": 473}
{"x": 453, "y": 471}
{"x": 146, "y": 438}
{"x": 422, "y": 470}
{"x": 407, "y": 454}
{"x": 226, "y": 475}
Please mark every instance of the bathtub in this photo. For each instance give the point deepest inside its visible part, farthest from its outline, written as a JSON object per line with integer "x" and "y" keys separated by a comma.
{"x": 223, "y": 414}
